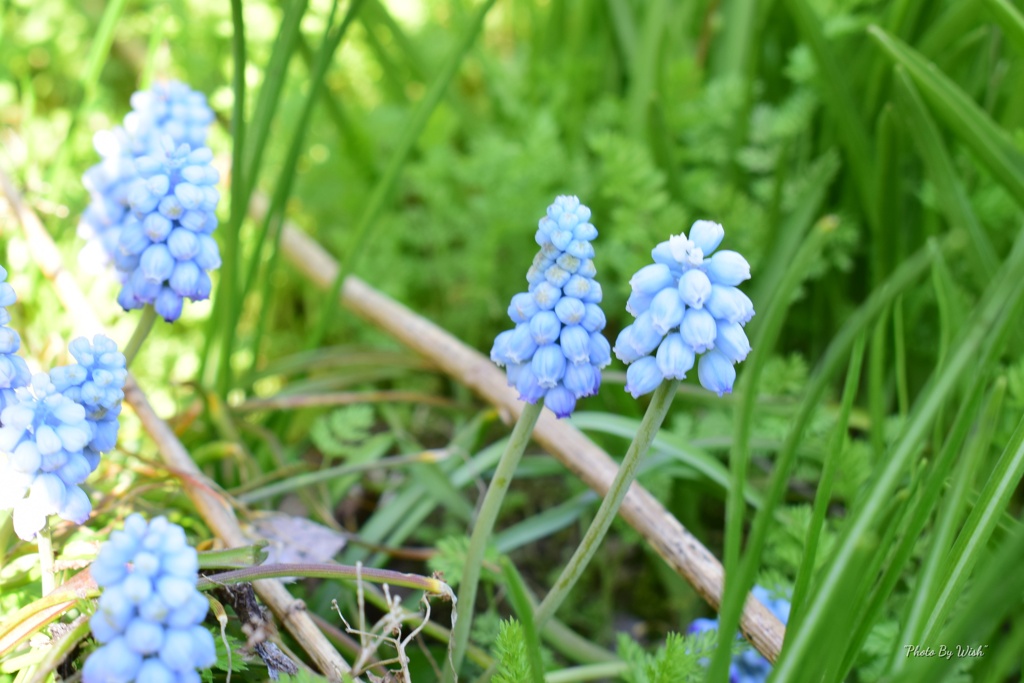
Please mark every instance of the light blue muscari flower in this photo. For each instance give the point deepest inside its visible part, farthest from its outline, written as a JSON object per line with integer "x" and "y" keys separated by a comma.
{"x": 166, "y": 249}
{"x": 556, "y": 350}
{"x": 167, "y": 109}
{"x": 150, "y": 614}
{"x": 686, "y": 303}
{"x": 749, "y": 666}
{"x": 96, "y": 382}
{"x": 42, "y": 463}
{"x": 14, "y": 372}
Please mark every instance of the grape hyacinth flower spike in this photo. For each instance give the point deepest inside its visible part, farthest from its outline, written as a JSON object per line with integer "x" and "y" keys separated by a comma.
{"x": 687, "y": 304}
{"x": 149, "y": 616}
{"x": 553, "y": 357}
{"x": 166, "y": 246}
{"x": 169, "y": 108}
{"x": 556, "y": 350}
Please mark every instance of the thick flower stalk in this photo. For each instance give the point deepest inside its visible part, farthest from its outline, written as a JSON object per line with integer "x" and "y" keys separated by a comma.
{"x": 14, "y": 372}
{"x": 166, "y": 247}
{"x": 556, "y": 350}
{"x": 150, "y": 614}
{"x": 170, "y": 108}
{"x": 686, "y": 304}
{"x": 749, "y": 666}
{"x": 95, "y": 382}
{"x": 42, "y": 462}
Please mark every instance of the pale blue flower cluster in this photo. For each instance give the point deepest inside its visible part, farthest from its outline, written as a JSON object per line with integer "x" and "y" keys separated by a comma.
{"x": 42, "y": 462}
{"x": 150, "y": 614}
{"x": 14, "y": 372}
{"x": 166, "y": 247}
{"x": 686, "y": 303}
{"x": 171, "y": 109}
{"x": 96, "y": 382}
{"x": 556, "y": 350}
{"x": 749, "y": 666}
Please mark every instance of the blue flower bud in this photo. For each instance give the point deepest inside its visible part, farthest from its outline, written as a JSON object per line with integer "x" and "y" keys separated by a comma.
{"x": 581, "y": 288}
{"x": 183, "y": 244}
{"x": 732, "y": 341}
{"x": 675, "y": 358}
{"x": 557, "y": 276}
{"x": 666, "y": 310}
{"x": 625, "y": 346}
{"x": 645, "y": 337}
{"x": 570, "y": 311}
{"x": 522, "y": 308}
{"x": 593, "y": 318}
{"x": 600, "y": 351}
{"x": 545, "y": 327}
{"x": 527, "y": 385}
{"x": 548, "y": 365}
{"x": 521, "y": 345}
{"x": 560, "y": 401}
{"x": 729, "y": 304}
{"x": 651, "y": 279}
{"x": 499, "y": 351}
{"x": 168, "y": 304}
{"x": 698, "y": 329}
{"x": 185, "y": 280}
{"x": 694, "y": 288}
{"x": 716, "y": 372}
{"x": 156, "y": 263}
{"x": 575, "y": 343}
{"x": 582, "y": 379}
{"x": 546, "y": 295}
{"x": 707, "y": 235}
{"x": 643, "y": 377}
{"x": 727, "y": 268}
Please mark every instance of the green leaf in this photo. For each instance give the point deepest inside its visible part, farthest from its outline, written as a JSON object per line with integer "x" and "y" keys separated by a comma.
{"x": 965, "y": 118}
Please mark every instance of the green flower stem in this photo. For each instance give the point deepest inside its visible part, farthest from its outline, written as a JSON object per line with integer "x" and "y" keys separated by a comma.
{"x": 45, "y": 540}
{"x": 649, "y": 427}
{"x": 140, "y": 334}
{"x": 482, "y": 532}
{"x": 327, "y": 571}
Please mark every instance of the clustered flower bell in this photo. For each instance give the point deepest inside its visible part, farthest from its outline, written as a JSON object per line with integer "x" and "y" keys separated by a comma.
{"x": 686, "y": 303}
{"x": 556, "y": 350}
{"x": 166, "y": 248}
{"x": 96, "y": 382}
{"x": 14, "y": 371}
{"x": 42, "y": 462}
{"x": 150, "y": 614}
{"x": 170, "y": 108}
{"x": 749, "y": 666}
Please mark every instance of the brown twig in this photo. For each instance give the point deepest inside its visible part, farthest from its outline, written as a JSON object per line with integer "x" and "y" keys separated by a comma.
{"x": 683, "y": 552}
{"x": 211, "y": 505}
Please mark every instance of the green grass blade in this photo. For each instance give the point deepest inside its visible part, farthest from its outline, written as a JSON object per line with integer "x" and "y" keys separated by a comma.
{"x": 763, "y": 340}
{"x": 823, "y": 494}
{"x": 841, "y": 104}
{"x": 969, "y": 122}
{"x": 1010, "y": 20}
{"x": 950, "y": 192}
{"x": 949, "y": 520}
{"x": 978, "y": 528}
{"x": 383, "y": 188}
{"x": 988, "y": 322}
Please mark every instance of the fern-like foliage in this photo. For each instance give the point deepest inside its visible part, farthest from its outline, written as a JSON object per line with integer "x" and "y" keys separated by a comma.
{"x": 682, "y": 659}
{"x": 510, "y": 651}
